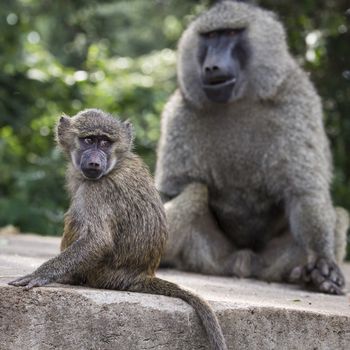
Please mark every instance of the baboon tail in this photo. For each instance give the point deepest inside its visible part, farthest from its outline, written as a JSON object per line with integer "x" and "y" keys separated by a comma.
{"x": 203, "y": 309}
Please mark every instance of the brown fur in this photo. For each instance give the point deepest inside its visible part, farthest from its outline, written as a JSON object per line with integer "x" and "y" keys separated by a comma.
{"x": 115, "y": 229}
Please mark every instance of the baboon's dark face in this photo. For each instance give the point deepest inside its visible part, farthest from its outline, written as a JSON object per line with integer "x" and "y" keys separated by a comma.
{"x": 223, "y": 55}
{"x": 93, "y": 156}
{"x": 95, "y": 141}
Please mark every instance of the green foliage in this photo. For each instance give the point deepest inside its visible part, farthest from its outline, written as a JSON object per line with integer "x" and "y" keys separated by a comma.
{"x": 51, "y": 66}
{"x": 63, "y": 56}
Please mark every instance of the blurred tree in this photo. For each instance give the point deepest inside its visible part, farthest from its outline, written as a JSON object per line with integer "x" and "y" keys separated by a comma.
{"x": 62, "y": 56}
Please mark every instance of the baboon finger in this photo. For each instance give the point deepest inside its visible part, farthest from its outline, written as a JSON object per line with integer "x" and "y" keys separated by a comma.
{"x": 21, "y": 281}
{"x": 37, "y": 282}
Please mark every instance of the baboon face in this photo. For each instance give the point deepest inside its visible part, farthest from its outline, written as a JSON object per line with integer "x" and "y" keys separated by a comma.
{"x": 232, "y": 51}
{"x": 93, "y": 157}
{"x": 222, "y": 55}
{"x": 95, "y": 141}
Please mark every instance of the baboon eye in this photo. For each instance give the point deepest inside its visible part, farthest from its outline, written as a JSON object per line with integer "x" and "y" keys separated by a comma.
{"x": 88, "y": 140}
{"x": 105, "y": 143}
{"x": 212, "y": 35}
{"x": 232, "y": 32}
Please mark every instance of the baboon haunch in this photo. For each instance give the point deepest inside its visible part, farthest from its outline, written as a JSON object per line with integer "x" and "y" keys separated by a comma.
{"x": 115, "y": 229}
{"x": 244, "y": 164}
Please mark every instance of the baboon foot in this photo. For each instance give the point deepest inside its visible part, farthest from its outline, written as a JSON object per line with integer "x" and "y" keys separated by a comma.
{"x": 323, "y": 275}
{"x": 244, "y": 263}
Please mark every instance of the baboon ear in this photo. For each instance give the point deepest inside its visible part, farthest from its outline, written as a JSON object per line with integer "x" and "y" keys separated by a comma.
{"x": 64, "y": 119}
{"x": 129, "y": 130}
{"x": 62, "y": 131}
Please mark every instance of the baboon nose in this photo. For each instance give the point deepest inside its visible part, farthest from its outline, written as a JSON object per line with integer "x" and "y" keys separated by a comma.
{"x": 210, "y": 69}
{"x": 94, "y": 165}
{"x": 216, "y": 75}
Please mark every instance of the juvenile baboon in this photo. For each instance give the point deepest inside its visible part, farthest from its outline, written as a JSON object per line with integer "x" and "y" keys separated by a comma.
{"x": 115, "y": 229}
{"x": 244, "y": 164}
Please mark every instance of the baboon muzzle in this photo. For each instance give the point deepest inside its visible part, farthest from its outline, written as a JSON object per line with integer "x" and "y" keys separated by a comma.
{"x": 93, "y": 164}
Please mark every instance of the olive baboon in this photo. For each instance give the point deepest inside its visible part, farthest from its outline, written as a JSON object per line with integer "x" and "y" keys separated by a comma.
{"x": 115, "y": 229}
{"x": 244, "y": 164}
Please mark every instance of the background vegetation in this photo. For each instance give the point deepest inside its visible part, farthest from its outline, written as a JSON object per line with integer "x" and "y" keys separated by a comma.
{"x": 62, "y": 56}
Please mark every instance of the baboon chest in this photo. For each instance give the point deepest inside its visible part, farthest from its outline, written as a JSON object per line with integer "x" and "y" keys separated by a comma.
{"x": 237, "y": 167}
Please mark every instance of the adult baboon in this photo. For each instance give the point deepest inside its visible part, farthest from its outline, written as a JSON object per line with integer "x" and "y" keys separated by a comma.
{"x": 244, "y": 164}
{"x": 115, "y": 228}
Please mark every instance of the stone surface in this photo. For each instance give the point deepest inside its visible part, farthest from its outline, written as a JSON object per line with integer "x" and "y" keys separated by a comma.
{"x": 253, "y": 314}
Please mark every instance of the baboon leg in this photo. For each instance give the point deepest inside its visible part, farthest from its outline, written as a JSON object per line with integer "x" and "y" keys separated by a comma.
{"x": 195, "y": 241}
{"x": 197, "y": 244}
{"x": 278, "y": 259}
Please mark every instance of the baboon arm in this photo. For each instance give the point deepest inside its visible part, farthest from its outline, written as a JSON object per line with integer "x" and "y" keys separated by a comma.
{"x": 312, "y": 222}
{"x": 177, "y": 165}
{"x": 79, "y": 257}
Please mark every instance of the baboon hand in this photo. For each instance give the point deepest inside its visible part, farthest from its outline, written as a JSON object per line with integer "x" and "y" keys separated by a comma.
{"x": 30, "y": 281}
{"x": 323, "y": 275}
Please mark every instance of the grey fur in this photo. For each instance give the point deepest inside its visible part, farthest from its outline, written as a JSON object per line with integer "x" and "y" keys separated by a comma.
{"x": 260, "y": 166}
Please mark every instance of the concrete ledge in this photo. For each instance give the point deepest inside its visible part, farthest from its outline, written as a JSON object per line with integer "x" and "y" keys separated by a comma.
{"x": 253, "y": 314}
